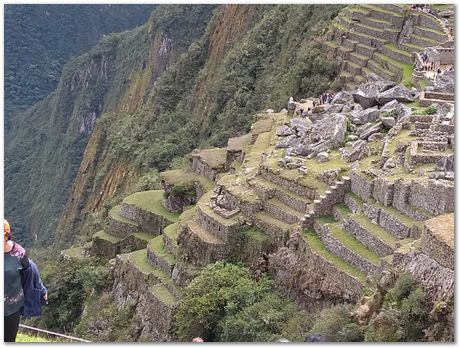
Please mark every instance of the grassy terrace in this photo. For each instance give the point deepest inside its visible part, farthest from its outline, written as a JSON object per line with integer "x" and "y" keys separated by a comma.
{"x": 236, "y": 185}
{"x": 239, "y": 143}
{"x": 163, "y": 295}
{"x": 151, "y": 201}
{"x": 143, "y": 235}
{"x": 156, "y": 245}
{"x": 392, "y": 47}
{"x": 263, "y": 125}
{"x": 318, "y": 247}
{"x": 272, "y": 221}
{"x": 284, "y": 207}
{"x": 76, "y": 252}
{"x": 215, "y": 158}
{"x": 106, "y": 236}
{"x": 172, "y": 231}
{"x": 202, "y": 233}
{"x": 405, "y": 68}
{"x": 352, "y": 243}
{"x": 208, "y": 211}
{"x": 374, "y": 229}
{"x": 267, "y": 184}
{"x": 139, "y": 260}
{"x": 381, "y": 9}
{"x": 184, "y": 177}
{"x": 254, "y": 233}
{"x": 115, "y": 214}
{"x": 252, "y": 159}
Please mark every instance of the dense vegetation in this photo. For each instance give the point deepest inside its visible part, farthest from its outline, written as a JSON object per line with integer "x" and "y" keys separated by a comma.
{"x": 43, "y": 154}
{"x": 40, "y": 39}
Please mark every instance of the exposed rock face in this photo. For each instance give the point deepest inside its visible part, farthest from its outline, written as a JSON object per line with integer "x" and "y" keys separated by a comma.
{"x": 395, "y": 109}
{"x": 365, "y": 116}
{"x": 283, "y": 131}
{"x": 343, "y": 97}
{"x": 322, "y": 157}
{"x": 358, "y": 151}
{"x": 445, "y": 82}
{"x": 399, "y": 93}
{"x": 367, "y": 93}
{"x": 388, "y": 122}
{"x": 371, "y": 129}
{"x": 446, "y": 164}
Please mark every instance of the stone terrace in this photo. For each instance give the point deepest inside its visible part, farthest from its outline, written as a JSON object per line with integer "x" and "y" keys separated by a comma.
{"x": 380, "y": 39}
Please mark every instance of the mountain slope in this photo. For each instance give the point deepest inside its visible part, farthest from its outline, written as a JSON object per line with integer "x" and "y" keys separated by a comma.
{"x": 40, "y": 39}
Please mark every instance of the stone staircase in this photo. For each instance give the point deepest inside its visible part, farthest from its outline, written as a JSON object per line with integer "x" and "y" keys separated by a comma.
{"x": 380, "y": 39}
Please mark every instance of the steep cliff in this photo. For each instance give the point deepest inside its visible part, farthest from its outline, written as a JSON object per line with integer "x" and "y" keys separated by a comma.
{"x": 210, "y": 94}
{"x": 44, "y": 154}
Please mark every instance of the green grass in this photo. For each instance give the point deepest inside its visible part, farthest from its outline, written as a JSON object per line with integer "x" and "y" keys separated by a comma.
{"x": 392, "y": 47}
{"x": 139, "y": 260}
{"x": 262, "y": 126}
{"x": 374, "y": 229}
{"x": 106, "y": 236}
{"x": 215, "y": 157}
{"x": 76, "y": 252}
{"x": 156, "y": 244}
{"x": 151, "y": 201}
{"x": 143, "y": 235}
{"x": 342, "y": 209}
{"x": 239, "y": 143}
{"x": 352, "y": 243}
{"x": 315, "y": 243}
{"x": 163, "y": 294}
{"x": 27, "y": 338}
{"x": 115, "y": 214}
{"x": 184, "y": 177}
{"x": 172, "y": 231}
{"x": 253, "y": 233}
{"x": 356, "y": 198}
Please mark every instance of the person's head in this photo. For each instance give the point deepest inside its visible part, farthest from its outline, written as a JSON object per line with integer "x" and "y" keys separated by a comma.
{"x": 197, "y": 339}
{"x": 6, "y": 230}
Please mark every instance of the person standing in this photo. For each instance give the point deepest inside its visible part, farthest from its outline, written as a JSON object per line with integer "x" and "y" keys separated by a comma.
{"x": 14, "y": 260}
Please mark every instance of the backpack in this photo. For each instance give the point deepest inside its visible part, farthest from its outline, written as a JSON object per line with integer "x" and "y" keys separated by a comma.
{"x": 33, "y": 289}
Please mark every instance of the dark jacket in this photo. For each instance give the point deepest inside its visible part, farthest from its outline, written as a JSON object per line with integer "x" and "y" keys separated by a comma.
{"x": 34, "y": 290}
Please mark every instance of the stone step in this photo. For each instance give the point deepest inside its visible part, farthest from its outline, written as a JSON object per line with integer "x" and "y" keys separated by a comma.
{"x": 371, "y": 235}
{"x": 170, "y": 235}
{"x": 410, "y": 47}
{"x": 394, "y": 8}
{"x": 422, "y": 41}
{"x": 398, "y": 54}
{"x": 119, "y": 225}
{"x": 281, "y": 211}
{"x": 344, "y": 245}
{"x": 221, "y": 227}
{"x": 136, "y": 241}
{"x": 359, "y": 59}
{"x": 350, "y": 44}
{"x": 381, "y": 71}
{"x": 368, "y": 30}
{"x": 433, "y": 34}
{"x": 159, "y": 257}
{"x": 345, "y": 22}
{"x": 317, "y": 246}
{"x": 105, "y": 244}
{"x": 388, "y": 63}
{"x": 151, "y": 274}
{"x": 392, "y": 220}
{"x": 345, "y": 77}
{"x": 375, "y": 22}
{"x": 271, "y": 226}
{"x": 343, "y": 52}
{"x": 376, "y": 11}
{"x": 352, "y": 68}
{"x": 366, "y": 39}
{"x": 365, "y": 50}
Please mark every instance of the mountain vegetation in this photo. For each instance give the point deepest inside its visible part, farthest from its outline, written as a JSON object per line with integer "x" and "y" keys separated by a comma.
{"x": 40, "y": 39}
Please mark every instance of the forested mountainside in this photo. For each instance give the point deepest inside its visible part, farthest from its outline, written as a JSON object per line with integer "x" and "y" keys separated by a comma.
{"x": 159, "y": 91}
{"x": 40, "y": 39}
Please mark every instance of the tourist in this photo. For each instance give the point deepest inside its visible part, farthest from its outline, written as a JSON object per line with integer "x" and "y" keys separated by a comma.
{"x": 14, "y": 260}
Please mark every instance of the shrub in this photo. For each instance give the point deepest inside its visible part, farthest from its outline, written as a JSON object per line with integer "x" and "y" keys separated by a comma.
{"x": 332, "y": 321}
